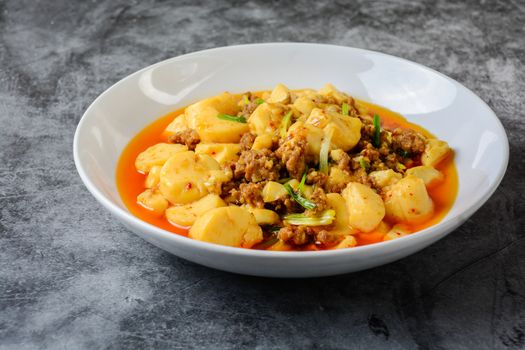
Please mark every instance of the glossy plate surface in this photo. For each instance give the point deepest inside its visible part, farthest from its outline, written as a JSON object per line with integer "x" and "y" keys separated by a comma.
{"x": 441, "y": 105}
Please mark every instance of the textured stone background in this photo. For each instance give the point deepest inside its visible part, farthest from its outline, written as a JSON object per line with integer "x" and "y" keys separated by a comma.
{"x": 72, "y": 277}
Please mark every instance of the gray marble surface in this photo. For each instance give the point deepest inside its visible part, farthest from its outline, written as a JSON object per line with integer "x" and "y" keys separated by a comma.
{"x": 71, "y": 277}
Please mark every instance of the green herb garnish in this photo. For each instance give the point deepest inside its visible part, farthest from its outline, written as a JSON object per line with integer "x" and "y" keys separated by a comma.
{"x": 259, "y": 101}
{"x": 232, "y": 118}
{"x": 245, "y": 99}
{"x": 377, "y": 133}
{"x": 325, "y": 218}
{"x": 301, "y": 184}
{"x": 364, "y": 164}
{"x": 285, "y": 123}
{"x": 400, "y": 166}
{"x": 344, "y": 108}
{"x": 303, "y": 202}
{"x": 325, "y": 149}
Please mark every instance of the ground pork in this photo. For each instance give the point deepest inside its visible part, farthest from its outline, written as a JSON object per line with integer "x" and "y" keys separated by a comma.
{"x": 360, "y": 175}
{"x": 299, "y": 235}
{"x": 408, "y": 140}
{"x": 248, "y": 193}
{"x": 325, "y": 237}
{"x": 343, "y": 161}
{"x": 353, "y": 111}
{"x": 373, "y": 158}
{"x": 391, "y": 160}
{"x": 371, "y": 153}
{"x": 336, "y": 187}
{"x": 292, "y": 154}
{"x": 257, "y": 165}
{"x": 367, "y": 129}
{"x": 316, "y": 178}
{"x": 228, "y": 186}
{"x": 247, "y": 141}
{"x": 248, "y": 108}
{"x": 319, "y": 198}
{"x": 188, "y": 137}
{"x": 285, "y": 205}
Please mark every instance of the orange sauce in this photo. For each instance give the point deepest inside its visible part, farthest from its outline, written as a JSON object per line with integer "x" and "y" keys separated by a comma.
{"x": 130, "y": 182}
{"x": 443, "y": 195}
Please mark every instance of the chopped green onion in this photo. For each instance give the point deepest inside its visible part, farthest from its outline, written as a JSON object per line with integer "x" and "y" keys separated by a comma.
{"x": 301, "y": 184}
{"x": 325, "y": 149}
{"x": 259, "y": 101}
{"x": 232, "y": 118}
{"x": 303, "y": 202}
{"x": 377, "y": 133}
{"x": 364, "y": 164}
{"x": 400, "y": 166}
{"x": 325, "y": 218}
{"x": 245, "y": 99}
{"x": 344, "y": 108}
{"x": 285, "y": 123}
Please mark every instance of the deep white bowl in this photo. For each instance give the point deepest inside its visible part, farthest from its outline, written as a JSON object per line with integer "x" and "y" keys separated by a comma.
{"x": 424, "y": 96}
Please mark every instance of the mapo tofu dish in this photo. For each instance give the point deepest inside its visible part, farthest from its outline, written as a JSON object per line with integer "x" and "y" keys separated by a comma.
{"x": 287, "y": 170}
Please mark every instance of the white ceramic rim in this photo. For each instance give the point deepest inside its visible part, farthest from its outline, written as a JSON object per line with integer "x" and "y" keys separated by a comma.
{"x": 440, "y": 227}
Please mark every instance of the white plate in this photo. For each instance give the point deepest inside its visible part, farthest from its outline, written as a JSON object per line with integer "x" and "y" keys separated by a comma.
{"x": 443, "y": 106}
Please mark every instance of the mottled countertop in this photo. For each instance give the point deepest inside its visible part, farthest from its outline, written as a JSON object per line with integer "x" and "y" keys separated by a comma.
{"x": 72, "y": 277}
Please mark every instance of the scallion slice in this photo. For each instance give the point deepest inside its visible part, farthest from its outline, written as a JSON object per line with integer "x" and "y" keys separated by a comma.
{"x": 344, "y": 108}
{"x": 400, "y": 166}
{"x": 301, "y": 184}
{"x": 325, "y": 218}
{"x": 377, "y": 133}
{"x": 259, "y": 101}
{"x": 232, "y": 118}
{"x": 303, "y": 202}
{"x": 364, "y": 164}
{"x": 285, "y": 124}
{"x": 325, "y": 149}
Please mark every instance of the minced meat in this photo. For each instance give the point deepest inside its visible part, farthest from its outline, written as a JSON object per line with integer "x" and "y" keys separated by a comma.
{"x": 295, "y": 234}
{"x": 248, "y": 193}
{"x": 408, "y": 140}
{"x": 247, "y": 141}
{"x": 299, "y": 235}
{"x": 343, "y": 162}
{"x": 292, "y": 154}
{"x": 319, "y": 198}
{"x": 257, "y": 165}
{"x": 285, "y": 204}
{"x": 316, "y": 178}
{"x": 248, "y": 108}
{"x": 188, "y": 137}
